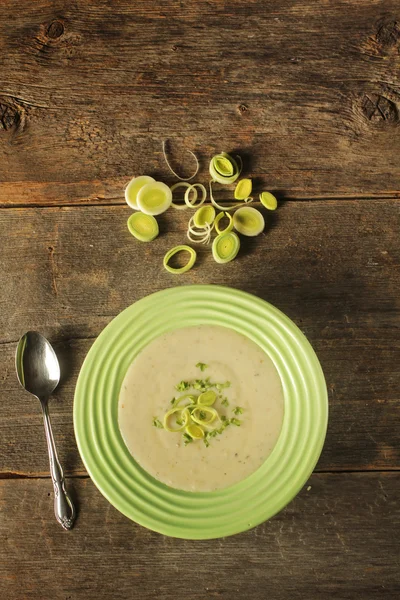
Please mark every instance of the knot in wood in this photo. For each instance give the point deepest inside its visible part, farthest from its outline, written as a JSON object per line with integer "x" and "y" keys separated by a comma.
{"x": 388, "y": 34}
{"x": 10, "y": 116}
{"x": 379, "y": 109}
{"x": 55, "y": 29}
{"x": 242, "y": 108}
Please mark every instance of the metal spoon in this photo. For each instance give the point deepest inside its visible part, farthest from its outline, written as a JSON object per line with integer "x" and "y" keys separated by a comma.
{"x": 38, "y": 372}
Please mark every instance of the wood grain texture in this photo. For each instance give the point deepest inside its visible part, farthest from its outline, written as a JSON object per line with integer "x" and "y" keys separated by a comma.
{"x": 324, "y": 544}
{"x": 332, "y": 266}
{"x": 308, "y": 91}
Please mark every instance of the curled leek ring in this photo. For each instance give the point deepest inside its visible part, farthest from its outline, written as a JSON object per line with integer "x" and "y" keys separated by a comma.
{"x": 200, "y": 410}
{"x": 218, "y": 218}
{"x": 193, "y": 188}
{"x": 172, "y": 252}
{"x": 176, "y": 174}
{"x": 181, "y": 413}
{"x": 224, "y": 169}
{"x": 220, "y": 206}
{"x": 178, "y": 185}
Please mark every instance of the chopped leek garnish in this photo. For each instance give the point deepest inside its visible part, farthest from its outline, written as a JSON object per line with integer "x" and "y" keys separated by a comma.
{"x": 224, "y": 168}
{"x": 243, "y": 189}
{"x": 172, "y": 252}
{"x": 248, "y": 221}
{"x": 176, "y": 174}
{"x": 225, "y": 247}
{"x": 143, "y": 227}
{"x": 218, "y": 218}
{"x": 268, "y": 200}
{"x": 201, "y": 366}
{"x": 133, "y": 187}
{"x": 154, "y": 198}
{"x": 194, "y": 415}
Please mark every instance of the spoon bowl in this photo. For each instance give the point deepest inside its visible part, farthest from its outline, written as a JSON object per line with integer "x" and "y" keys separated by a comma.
{"x": 37, "y": 366}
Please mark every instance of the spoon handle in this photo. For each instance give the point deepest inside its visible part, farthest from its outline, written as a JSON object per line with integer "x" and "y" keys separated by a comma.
{"x": 63, "y": 507}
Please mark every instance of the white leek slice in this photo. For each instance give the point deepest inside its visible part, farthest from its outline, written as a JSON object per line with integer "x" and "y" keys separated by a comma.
{"x": 154, "y": 198}
{"x": 248, "y": 221}
{"x": 133, "y": 187}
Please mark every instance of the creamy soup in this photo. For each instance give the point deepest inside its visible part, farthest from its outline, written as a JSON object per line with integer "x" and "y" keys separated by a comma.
{"x": 250, "y": 394}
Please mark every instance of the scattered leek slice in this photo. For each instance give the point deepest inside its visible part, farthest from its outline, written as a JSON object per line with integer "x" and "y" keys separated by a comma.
{"x": 193, "y": 188}
{"x": 172, "y": 253}
{"x": 182, "y": 414}
{"x": 143, "y": 227}
{"x": 225, "y": 247}
{"x": 199, "y": 235}
{"x": 220, "y": 216}
{"x": 204, "y": 216}
{"x": 195, "y": 431}
{"x": 154, "y": 198}
{"x": 248, "y": 221}
{"x": 178, "y": 185}
{"x": 268, "y": 200}
{"x": 207, "y": 398}
{"x": 176, "y": 174}
{"x": 200, "y": 413}
{"x": 224, "y": 168}
{"x": 220, "y": 206}
{"x": 243, "y": 189}
{"x": 133, "y": 187}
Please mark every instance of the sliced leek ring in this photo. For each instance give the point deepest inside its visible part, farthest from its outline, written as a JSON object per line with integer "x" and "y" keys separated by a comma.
{"x": 195, "y": 432}
{"x": 143, "y": 227}
{"x": 204, "y": 216}
{"x": 243, "y": 189}
{"x": 133, "y": 187}
{"x": 172, "y": 252}
{"x": 248, "y": 221}
{"x": 154, "y": 198}
{"x": 268, "y": 200}
{"x": 225, "y": 247}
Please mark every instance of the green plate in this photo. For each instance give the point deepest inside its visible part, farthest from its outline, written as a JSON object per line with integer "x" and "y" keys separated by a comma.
{"x": 212, "y": 514}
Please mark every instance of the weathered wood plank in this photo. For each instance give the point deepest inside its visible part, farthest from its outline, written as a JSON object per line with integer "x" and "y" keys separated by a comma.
{"x": 333, "y": 267}
{"x": 310, "y": 92}
{"x": 347, "y": 522}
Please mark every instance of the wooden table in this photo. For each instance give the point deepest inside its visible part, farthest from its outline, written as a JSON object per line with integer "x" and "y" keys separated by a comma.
{"x": 309, "y": 93}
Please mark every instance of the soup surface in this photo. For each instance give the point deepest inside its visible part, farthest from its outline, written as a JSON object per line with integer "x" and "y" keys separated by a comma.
{"x": 249, "y": 392}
